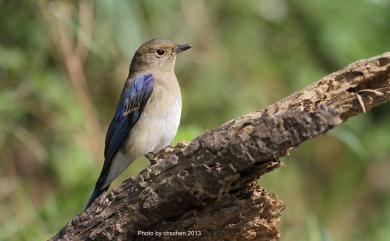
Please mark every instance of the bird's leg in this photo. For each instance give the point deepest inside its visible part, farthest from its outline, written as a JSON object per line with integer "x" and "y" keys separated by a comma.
{"x": 150, "y": 155}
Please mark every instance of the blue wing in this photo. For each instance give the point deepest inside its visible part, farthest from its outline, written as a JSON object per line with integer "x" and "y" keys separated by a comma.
{"x": 133, "y": 101}
{"x": 134, "y": 97}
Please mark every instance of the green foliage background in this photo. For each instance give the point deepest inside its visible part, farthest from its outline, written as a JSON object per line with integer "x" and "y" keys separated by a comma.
{"x": 245, "y": 55}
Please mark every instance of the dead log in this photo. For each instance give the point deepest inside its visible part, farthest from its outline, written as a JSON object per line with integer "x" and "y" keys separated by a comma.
{"x": 205, "y": 189}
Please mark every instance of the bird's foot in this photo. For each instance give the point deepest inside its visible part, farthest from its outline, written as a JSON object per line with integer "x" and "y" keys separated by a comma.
{"x": 150, "y": 156}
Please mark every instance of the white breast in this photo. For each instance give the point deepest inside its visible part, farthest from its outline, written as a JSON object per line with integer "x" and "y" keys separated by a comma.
{"x": 159, "y": 121}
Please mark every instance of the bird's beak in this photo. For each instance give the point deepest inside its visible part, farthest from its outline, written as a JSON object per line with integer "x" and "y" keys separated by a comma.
{"x": 182, "y": 47}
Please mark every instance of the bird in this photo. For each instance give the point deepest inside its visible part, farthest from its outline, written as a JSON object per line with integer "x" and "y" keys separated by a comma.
{"x": 148, "y": 113}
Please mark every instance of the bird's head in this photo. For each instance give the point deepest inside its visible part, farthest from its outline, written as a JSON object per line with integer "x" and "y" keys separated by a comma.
{"x": 157, "y": 54}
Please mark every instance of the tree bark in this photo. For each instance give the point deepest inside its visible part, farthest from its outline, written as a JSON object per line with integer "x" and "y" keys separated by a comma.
{"x": 205, "y": 189}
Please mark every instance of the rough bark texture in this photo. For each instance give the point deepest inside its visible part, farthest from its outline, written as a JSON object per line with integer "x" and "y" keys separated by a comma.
{"x": 205, "y": 189}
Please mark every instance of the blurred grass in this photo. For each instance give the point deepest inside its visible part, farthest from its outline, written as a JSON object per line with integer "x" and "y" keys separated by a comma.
{"x": 245, "y": 56}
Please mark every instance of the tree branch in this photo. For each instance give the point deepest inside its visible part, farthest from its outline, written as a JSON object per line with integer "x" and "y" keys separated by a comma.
{"x": 208, "y": 185}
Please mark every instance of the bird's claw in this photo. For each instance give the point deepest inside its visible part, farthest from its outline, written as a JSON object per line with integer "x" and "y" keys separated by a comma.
{"x": 150, "y": 156}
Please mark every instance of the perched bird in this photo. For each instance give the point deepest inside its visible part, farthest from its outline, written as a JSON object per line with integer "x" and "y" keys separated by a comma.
{"x": 148, "y": 113}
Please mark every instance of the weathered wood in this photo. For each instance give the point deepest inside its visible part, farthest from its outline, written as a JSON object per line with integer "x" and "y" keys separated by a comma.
{"x": 205, "y": 189}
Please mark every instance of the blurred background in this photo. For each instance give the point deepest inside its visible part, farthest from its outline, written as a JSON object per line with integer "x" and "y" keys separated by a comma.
{"x": 63, "y": 64}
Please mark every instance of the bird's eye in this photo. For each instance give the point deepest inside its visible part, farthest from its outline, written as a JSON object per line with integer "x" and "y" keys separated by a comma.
{"x": 160, "y": 52}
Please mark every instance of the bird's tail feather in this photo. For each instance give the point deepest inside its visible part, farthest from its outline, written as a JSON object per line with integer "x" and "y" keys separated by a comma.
{"x": 96, "y": 193}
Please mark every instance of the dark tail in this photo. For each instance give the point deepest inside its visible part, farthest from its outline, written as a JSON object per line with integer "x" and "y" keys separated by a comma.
{"x": 96, "y": 193}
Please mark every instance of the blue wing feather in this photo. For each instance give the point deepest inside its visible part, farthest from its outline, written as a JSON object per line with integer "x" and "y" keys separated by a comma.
{"x": 133, "y": 100}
